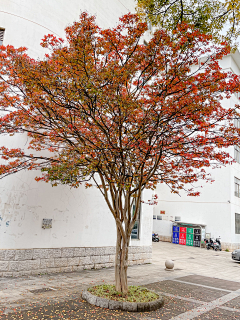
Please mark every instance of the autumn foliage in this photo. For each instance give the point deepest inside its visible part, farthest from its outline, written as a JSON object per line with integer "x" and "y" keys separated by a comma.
{"x": 103, "y": 107}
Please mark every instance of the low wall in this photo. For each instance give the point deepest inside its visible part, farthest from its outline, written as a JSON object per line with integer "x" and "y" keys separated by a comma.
{"x": 230, "y": 246}
{"x": 22, "y": 262}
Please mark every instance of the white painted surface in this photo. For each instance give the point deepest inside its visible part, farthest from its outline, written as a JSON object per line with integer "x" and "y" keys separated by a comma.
{"x": 217, "y": 204}
{"x": 80, "y": 216}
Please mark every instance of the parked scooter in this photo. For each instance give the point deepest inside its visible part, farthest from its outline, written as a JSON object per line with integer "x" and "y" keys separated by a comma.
{"x": 155, "y": 237}
{"x": 209, "y": 243}
{"x": 217, "y": 245}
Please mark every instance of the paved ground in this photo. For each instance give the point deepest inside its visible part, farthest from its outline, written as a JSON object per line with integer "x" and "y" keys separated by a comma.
{"x": 204, "y": 285}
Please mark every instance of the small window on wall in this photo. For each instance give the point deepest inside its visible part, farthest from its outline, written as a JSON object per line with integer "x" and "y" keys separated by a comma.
{"x": 237, "y": 154}
{"x": 136, "y": 227}
{"x": 236, "y": 187}
{"x": 159, "y": 218}
{"x": 237, "y": 122}
{"x": 237, "y": 223}
{"x": 1, "y": 35}
{"x": 154, "y": 217}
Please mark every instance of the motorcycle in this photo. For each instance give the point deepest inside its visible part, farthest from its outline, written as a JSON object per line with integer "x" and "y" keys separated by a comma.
{"x": 155, "y": 237}
{"x": 217, "y": 245}
{"x": 209, "y": 243}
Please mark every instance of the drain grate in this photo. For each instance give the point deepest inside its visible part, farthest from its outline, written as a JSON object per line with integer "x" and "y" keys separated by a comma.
{"x": 41, "y": 290}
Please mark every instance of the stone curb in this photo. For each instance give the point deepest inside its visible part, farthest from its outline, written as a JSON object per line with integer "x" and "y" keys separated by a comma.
{"x": 125, "y": 306}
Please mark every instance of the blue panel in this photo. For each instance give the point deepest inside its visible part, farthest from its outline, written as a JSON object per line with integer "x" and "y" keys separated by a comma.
{"x": 175, "y": 229}
{"x": 175, "y": 240}
{"x": 176, "y": 235}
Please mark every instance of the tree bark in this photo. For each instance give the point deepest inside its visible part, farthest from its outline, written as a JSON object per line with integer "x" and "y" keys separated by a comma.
{"x": 121, "y": 262}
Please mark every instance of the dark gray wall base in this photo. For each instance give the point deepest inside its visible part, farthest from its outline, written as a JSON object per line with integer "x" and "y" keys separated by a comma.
{"x": 125, "y": 306}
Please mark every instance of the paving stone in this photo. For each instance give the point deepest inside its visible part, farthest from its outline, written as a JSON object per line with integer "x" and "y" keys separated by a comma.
{"x": 219, "y": 313}
{"x": 235, "y": 303}
{"x": 212, "y": 282}
{"x": 186, "y": 290}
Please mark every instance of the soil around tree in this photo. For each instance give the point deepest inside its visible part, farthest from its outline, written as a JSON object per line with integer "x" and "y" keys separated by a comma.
{"x": 138, "y": 299}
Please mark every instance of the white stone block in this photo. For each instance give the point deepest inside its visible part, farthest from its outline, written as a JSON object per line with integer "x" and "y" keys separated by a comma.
{"x": 60, "y": 262}
{"x": 67, "y": 252}
{"x": 73, "y": 261}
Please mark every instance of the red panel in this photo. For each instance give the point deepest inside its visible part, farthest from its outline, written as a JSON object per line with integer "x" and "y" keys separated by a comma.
{"x": 183, "y": 229}
{"x": 182, "y": 241}
{"x": 182, "y": 236}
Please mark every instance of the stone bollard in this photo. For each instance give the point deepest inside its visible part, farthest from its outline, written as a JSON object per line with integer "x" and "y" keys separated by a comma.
{"x": 169, "y": 265}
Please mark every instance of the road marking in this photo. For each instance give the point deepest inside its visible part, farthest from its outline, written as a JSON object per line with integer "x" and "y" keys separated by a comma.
{"x": 204, "y": 286}
{"x": 229, "y": 309}
{"x": 191, "y": 314}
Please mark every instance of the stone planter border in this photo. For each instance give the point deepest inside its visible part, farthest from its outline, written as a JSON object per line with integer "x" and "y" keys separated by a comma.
{"x": 125, "y": 306}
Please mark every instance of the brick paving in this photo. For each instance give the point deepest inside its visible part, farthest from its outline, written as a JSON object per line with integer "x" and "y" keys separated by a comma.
{"x": 192, "y": 291}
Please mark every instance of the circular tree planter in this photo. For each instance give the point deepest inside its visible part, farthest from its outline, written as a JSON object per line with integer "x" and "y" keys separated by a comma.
{"x": 121, "y": 305}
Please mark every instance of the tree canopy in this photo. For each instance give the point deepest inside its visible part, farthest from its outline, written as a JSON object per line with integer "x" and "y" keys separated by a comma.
{"x": 104, "y": 108}
{"x": 217, "y": 18}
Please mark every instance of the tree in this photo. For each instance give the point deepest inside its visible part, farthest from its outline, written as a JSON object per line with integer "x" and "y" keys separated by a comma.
{"x": 112, "y": 111}
{"x": 217, "y": 18}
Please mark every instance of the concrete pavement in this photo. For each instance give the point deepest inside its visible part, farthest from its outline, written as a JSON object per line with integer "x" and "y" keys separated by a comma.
{"x": 204, "y": 285}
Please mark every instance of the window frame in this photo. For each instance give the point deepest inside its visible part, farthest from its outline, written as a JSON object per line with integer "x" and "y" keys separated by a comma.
{"x": 237, "y": 223}
{"x": 2, "y": 35}
{"x": 136, "y": 236}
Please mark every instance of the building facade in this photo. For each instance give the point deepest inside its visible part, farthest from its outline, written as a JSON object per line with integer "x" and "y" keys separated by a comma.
{"x": 218, "y": 207}
{"x": 45, "y": 229}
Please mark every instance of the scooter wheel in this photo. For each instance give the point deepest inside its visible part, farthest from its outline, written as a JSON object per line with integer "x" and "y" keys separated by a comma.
{"x": 220, "y": 249}
{"x": 208, "y": 248}
{"x": 216, "y": 249}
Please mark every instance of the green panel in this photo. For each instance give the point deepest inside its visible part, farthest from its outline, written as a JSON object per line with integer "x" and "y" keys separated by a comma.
{"x": 189, "y": 242}
{"x": 189, "y": 230}
{"x": 189, "y": 237}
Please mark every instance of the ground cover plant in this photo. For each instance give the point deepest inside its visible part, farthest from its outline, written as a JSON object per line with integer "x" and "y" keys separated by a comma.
{"x": 105, "y": 108}
{"x": 134, "y": 294}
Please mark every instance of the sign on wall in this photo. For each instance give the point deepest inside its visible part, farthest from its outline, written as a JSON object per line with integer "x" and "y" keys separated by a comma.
{"x": 47, "y": 223}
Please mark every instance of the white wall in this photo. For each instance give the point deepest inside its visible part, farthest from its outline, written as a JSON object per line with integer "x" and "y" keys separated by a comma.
{"x": 80, "y": 216}
{"x": 217, "y": 204}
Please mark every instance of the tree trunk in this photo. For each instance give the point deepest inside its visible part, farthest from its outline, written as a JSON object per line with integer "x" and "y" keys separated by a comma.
{"x": 121, "y": 263}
